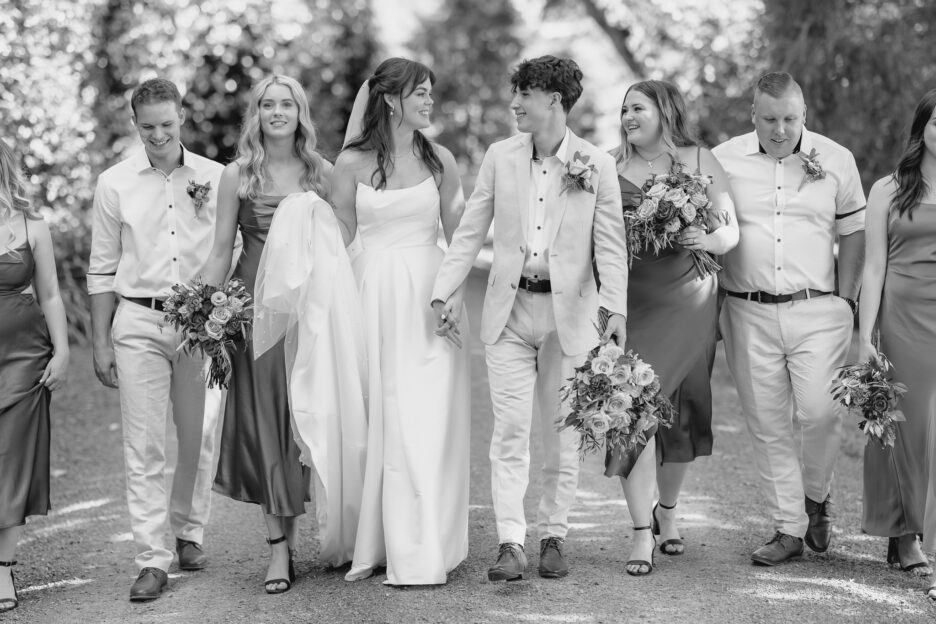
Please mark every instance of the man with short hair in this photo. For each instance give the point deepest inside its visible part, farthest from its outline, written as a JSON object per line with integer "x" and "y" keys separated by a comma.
{"x": 556, "y": 202}
{"x": 148, "y": 234}
{"x": 786, "y": 329}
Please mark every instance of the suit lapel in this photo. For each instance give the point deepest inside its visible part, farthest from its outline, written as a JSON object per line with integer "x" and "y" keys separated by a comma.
{"x": 562, "y": 199}
{"x": 522, "y": 156}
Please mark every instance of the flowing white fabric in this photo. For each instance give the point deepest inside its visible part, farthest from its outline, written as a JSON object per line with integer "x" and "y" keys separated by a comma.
{"x": 414, "y": 513}
{"x": 305, "y": 293}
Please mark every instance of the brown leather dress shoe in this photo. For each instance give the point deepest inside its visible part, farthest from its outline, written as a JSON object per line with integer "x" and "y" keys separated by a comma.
{"x": 819, "y": 533}
{"x": 191, "y": 555}
{"x": 510, "y": 565}
{"x": 148, "y": 585}
{"x": 780, "y": 548}
{"x": 551, "y": 563}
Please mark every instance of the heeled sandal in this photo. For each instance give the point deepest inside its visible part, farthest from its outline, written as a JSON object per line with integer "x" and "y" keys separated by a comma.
{"x": 670, "y": 542}
{"x": 893, "y": 559}
{"x": 8, "y": 604}
{"x": 641, "y": 562}
{"x": 271, "y": 585}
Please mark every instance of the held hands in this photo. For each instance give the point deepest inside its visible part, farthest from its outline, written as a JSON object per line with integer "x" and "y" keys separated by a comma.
{"x": 617, "y": 327}
{"x": 105, "y": 366}
{"x": 53, "y": 377}
{"x": 447, "y": 318}
{"x": 694, "y": 238}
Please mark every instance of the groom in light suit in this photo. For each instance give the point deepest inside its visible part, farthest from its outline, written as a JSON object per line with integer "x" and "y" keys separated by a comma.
{"x": 557, "y": 205}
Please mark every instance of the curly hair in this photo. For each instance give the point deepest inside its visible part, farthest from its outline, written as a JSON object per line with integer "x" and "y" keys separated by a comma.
{"x": 672, "y": 107}
{"x": 400, "y": 77}
{"x": 911, "y": 186}
{"x": 251, "y": 155}
{"x": 156, "y": 90}
{"x": 551, "y": 74}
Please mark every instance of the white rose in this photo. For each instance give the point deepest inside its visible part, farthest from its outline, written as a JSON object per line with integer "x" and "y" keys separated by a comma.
{"x": 214, "y": 329}
{"x": 221, "y": 315}
{"x": 612, "y": 351}
{"x": 643, "y": 373}
{"x": 657, "y": 191}
{"x": 599, "y": 423}
{"x": 219, "y": 298}
{"x": 602, "y": 365}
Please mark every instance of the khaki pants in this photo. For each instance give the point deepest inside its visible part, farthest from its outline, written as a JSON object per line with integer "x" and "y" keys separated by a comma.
{"x": 158, "y": 381}
{"x": 783, "y": 358}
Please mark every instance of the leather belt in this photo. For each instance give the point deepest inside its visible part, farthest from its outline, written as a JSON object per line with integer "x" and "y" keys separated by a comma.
{"x": 765, "y": 297}
{"x": 147, "y": 302}
{"x": 535, "y": 285}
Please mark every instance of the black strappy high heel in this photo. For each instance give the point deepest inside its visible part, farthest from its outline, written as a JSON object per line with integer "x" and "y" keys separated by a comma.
{"x": 670, "y": 542}
{"x": 8, "y": 604}
{"x": 641, "y": 562}
{"x": 271, "y": 585}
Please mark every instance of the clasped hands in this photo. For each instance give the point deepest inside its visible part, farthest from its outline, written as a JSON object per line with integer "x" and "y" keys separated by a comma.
{"x": 694, "y": 238}
{"x": 447, "y": 318}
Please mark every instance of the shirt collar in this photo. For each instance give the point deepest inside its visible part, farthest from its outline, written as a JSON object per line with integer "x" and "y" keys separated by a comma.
{"x": 141, "y": 161}
{"x": 562, "y": 153}
{"x": 803, "y": 145}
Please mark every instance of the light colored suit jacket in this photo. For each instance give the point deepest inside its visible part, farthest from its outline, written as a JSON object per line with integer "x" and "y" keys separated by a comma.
{"x": 587, "y": 225}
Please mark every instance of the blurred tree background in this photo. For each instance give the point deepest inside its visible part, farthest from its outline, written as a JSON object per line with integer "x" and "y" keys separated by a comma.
{"x": 69, "y": 66}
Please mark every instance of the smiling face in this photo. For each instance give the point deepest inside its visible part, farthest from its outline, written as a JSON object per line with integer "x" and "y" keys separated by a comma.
{"x": 159, "y": 124}
{"x": 534, "y": 109}
{"x": 415, "y": 109}
{"x": 640, "y": 120}
{"x": 929, "y": 137}
{"x": 279, "y": 112}
{"x": 779, "y": 121}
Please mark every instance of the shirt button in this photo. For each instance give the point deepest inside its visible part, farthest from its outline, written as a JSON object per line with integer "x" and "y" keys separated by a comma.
{"x": 778, "y": 268}
{"x": 535, "y": 254}
{"x": 778, "y": 212}
{"x": 172, "y": 232}
{"x": 539, "y": 227}
{"x": 541, "y": 199}
{"x": 544, "y": 172}
{"x": 778, "y": 240}
{"x": 778, "y": 188}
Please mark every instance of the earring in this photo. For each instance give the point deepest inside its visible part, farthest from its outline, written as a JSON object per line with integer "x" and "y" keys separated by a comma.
{"x": 392, "y": 111}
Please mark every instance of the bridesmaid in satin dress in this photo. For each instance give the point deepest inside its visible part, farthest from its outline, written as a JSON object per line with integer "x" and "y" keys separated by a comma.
{"x": 259, "y": 458}
{"x": 33, "y": 363}
{"x": 392, "y": 187}
{"x": 672, "y": 315}
{"x": 898, "y": 291}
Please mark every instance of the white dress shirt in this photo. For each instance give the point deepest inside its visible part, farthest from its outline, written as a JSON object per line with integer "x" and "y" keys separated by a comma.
{"x": 146, "y": 234}
{"x": 788, "y": 225}
{"x": 545, "y": 178}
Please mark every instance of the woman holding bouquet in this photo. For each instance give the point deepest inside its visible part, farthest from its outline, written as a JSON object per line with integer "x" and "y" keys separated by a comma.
{"x": 33, "y": 363}
{"x": 392, "y": 186}
{"x": 897, "y": 292}
{"x": 672, "y": 307}
{"x": 259, "y": 460}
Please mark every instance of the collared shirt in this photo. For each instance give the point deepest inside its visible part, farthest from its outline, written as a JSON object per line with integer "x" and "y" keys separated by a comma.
{"x": 788, "y": 223}
{"x": 146, "y": 234}
{"x": 545, "y": 176}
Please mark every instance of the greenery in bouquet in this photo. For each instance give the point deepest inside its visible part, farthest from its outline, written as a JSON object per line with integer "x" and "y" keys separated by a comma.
{"x": 615, "y": 400}
{"x": 211, "y": 320}
{"x": 867, "y": 391}
{"x": 672, "y": 202}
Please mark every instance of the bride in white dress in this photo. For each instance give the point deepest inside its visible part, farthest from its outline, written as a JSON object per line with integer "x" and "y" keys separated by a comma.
{"x": 391, "y": 187}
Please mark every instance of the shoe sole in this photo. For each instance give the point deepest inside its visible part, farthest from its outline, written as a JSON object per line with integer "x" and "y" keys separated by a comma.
{"x": 500, "y": 576}
{"x": 552, "y": 574}
{"x": 815, "y": 548}
{"x": 143, "y": 598}
{"x": 768, "y": 562}
{"x": 193, "y": 568}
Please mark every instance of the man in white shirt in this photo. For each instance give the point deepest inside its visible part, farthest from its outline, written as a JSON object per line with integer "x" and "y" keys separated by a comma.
{"x": 786, "y": 330}
{"x": 148, "y": 234}
{"x": 542, "y": 299}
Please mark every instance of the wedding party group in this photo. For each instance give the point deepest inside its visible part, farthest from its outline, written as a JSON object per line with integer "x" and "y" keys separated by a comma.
{"x": 340, "y": 372}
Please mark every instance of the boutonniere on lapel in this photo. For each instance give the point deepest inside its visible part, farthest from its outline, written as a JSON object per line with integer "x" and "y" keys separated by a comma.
{"x": 811, "y": 166}
{"x": 578, "y": 174}
{"x": 199, "y": 194}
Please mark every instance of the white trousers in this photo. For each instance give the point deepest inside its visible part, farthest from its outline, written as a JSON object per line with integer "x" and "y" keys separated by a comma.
{"x": 158, "y": 381}
{"x": 783, "y": 358}
{"x": 526, "y": 367}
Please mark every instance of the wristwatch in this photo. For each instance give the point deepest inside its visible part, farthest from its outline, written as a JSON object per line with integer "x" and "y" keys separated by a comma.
{"x": 851, "y": 304}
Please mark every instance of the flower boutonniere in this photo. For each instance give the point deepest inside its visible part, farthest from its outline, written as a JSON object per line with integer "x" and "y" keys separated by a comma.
{"x": 578, "y": 174}
{"x": 199, "y": 194}
{"x": 811, "y": 166}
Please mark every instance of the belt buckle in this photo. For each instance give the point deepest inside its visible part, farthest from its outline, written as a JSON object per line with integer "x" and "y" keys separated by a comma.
{"x": 758, "y": 295}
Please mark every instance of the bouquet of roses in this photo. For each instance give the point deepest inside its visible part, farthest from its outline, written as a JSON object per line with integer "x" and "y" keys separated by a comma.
{"x": 615, "y": 399}
{"x": 672, "y": 202}
{"x": 868, "y": 393}
{"x": 211, "y": 320}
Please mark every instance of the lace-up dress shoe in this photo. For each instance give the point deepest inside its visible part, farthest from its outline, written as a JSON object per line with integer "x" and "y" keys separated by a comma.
{"x": 819, "y": 533}
{"x": 191, "y": 555}
{"x": 148, "y": 585}
{"x": 510, "y": 565}
{"x": 780, "y": 548}
{"x": 551, "y": 562}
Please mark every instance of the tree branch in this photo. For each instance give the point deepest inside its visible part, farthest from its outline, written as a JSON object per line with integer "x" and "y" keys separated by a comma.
{"x": 619, "y": 36}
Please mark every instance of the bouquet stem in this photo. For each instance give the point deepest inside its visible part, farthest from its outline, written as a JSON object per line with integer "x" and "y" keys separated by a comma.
{"x": 704, "y": 262}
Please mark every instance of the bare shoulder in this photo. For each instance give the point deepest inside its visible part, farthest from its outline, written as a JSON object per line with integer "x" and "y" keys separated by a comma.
{"x": 231, "y": 171}
{"x": 353, "y": 159}
{"x": 37, "y": 230}
{"x": 881, "y": 192}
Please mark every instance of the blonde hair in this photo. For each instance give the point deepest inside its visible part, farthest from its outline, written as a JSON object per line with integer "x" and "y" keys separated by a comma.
{"x": 13, "y": 197}
{"x": 673, "y": 119}
{"x": 251, "y": 155}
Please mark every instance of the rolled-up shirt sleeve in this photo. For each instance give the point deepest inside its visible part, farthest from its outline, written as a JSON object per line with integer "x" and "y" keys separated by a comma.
{"x": 105, "y": 240}
{"x": 850, "y": 200}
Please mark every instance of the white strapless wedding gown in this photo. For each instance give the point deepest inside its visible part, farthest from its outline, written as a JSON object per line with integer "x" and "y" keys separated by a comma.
{"x": 414, "y": 512}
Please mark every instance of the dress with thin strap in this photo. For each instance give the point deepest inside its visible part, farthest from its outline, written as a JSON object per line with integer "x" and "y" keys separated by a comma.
{"x": 414, "y": 513}
{"x": 25, "y": 351}
{"x": 672, "y": 316}
{"x": 259, "y": 458}
{"x": 900, "y": 482}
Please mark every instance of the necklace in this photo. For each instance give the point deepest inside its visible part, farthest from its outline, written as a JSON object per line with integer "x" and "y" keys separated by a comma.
{"x": 650, "y": 161}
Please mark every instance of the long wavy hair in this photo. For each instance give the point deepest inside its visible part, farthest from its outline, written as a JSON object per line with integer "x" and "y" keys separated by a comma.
{"x": 400, "y": 77}
{"x": 13, "y": 197}
{"x": 252, "y": 157}
{"x": 911, "y": 187}
{"x": 675, "y": 126}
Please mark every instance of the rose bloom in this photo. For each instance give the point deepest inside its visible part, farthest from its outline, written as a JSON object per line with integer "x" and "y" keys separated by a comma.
{"x": 620, "y": 375}
{"x": 688, "y": 212}
{"x": 646, "y": 208}
{"x": 675, "y": 195}
{"x": 602, "y": 365}
{"x": 699, "y": 199}
{"x": 621, "y": 421}
{"x": 657, "y": 191}
{"x": 618, "y": 403}
{"x": 219, "y": 298}
{"x": 643, "y": 373}
{"x": 599, "y": 423}
{"x": 214, "y": 329}
{"x": 879, "y": 403}
{"x": 221, "y": 315}
{"x": 184, "y": 310}
{"x": 600, "y": 384}
{"x": 631, "y": 390}
{"x": 236, "y": 305}
{"x": 169, "y": 305}
{"x": 611, "y": 350}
